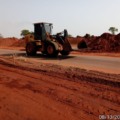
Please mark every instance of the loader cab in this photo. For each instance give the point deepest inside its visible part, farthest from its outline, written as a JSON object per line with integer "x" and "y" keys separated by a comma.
{"x": 40, "y": 30}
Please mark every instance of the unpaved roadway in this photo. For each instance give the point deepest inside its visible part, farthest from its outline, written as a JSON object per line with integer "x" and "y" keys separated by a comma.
{"x": 99, "y": 63}
{"x": 31, "y": 90}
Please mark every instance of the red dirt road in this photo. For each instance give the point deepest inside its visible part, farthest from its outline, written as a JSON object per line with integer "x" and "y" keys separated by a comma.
{"x": 50, "y": 92}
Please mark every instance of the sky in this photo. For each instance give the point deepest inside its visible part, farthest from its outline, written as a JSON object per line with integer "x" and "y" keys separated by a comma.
{"x": 77, "y": 16}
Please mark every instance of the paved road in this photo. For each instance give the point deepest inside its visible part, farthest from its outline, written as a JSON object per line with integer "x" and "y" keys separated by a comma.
{"x": 100, "y": 63}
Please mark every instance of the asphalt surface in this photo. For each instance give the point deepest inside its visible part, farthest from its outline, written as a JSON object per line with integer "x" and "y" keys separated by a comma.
{"x": 99, "y": 63}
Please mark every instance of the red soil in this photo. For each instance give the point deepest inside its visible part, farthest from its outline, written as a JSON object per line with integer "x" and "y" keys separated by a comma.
{"x": 30, "y": 91}
{"x": 104, "y": 43}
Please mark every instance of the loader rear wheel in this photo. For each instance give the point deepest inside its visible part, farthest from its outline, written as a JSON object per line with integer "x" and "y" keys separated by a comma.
{"x": 31, "y": 49}
{"x": 51, "y": 51}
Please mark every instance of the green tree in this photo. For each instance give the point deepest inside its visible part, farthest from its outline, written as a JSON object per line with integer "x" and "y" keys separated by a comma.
{"x": 87, "y": 35}
{"x": 1, "y": 36}
{"x": 69, "y": 35}
{"x": 113, "y": 30}
{"x": 25, "y": 32}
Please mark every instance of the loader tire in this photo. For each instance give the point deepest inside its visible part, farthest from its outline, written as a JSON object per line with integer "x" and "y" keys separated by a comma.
{"x": 31, "y": 49}
{"x": 51, "y": 51}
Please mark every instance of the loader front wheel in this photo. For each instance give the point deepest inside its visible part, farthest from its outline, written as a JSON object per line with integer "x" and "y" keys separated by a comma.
{"x": 31, "y": 49}
{"x": 51, "y": 51}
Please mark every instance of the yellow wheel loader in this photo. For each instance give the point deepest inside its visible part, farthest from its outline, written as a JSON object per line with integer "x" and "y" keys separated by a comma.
{"x": 43, "y": 40}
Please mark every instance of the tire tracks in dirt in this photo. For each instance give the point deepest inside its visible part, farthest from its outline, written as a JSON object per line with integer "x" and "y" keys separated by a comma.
{"x": 66, "y": 89}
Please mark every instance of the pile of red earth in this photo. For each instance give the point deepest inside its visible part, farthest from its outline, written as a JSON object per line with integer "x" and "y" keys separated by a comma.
{"x": 11, "y": 42}
{"x": 104, "y": 43}
{"x": 74, "y": 40}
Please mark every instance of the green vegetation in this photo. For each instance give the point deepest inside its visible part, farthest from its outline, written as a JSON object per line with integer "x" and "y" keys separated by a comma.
{"x": 25, "y": 32}
{"x": 113, "y": 30}
{"x": 70, "y": 35}
{"x": 1, "y": 36}
{"x": 87, "y": 35}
